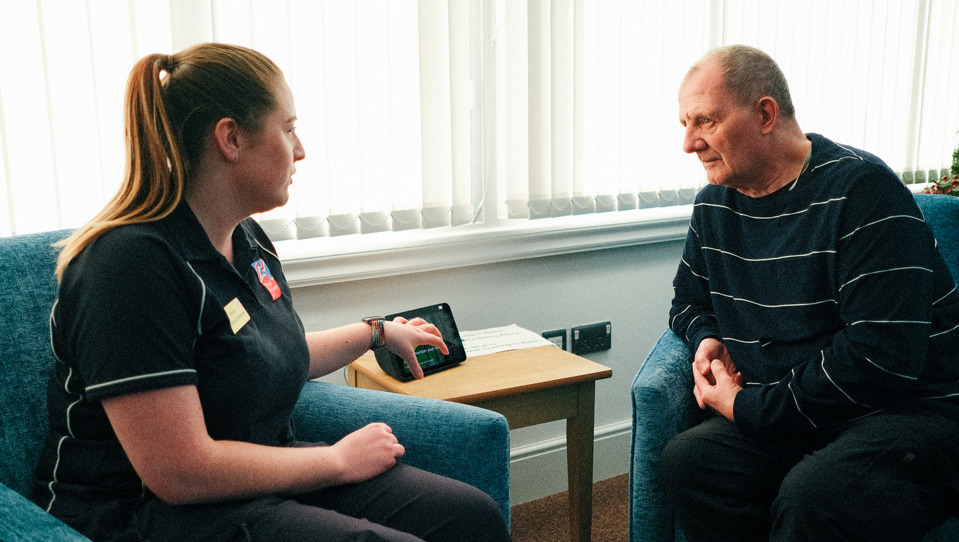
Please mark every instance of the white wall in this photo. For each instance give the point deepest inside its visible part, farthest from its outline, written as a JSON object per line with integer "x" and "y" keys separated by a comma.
{"x": 631, "y": 287}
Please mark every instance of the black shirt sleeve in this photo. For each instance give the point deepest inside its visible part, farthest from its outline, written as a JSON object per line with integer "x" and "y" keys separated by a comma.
{"x": 133, "y": 309}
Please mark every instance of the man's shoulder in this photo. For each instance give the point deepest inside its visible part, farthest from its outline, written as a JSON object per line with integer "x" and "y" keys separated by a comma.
{"x": 830, "y": 155}
{"x": 843, "y": 170}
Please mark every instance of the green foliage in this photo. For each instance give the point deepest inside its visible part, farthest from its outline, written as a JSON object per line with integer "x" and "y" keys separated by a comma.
{"x": 945, "y": 185}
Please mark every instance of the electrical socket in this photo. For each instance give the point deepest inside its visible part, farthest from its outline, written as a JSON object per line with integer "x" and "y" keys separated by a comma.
{"x": 592, "y": 338}
{"x": 557, "y": 337}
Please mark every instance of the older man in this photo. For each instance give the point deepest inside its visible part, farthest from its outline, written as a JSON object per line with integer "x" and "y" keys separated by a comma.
{"x": 825, "y": 327}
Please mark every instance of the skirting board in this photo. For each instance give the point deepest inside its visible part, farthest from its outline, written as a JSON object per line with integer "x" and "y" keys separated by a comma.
{"x": 539, "y": 470}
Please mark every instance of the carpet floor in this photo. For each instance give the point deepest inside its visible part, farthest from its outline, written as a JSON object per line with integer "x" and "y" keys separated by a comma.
{"x": 547, "y": 519}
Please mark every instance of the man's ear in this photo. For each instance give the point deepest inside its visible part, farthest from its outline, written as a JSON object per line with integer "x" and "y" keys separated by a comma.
{"x": 226, "y": 138}
{"x": 768, "y": 111}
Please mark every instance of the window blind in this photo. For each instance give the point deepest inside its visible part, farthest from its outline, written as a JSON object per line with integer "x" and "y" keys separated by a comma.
{"x": 591, "y": 92}
{"x": 434, "y": 114}
{"x": 383, "y": 94}
{"x": 61, "y": 92}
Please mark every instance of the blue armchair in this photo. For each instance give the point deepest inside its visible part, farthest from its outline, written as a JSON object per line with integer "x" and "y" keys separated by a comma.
{"x": 663, "y": 404}
{"x": 459, "y": 441}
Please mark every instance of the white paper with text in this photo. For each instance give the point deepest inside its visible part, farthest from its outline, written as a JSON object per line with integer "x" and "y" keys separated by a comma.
{"x": 500, "y": 339}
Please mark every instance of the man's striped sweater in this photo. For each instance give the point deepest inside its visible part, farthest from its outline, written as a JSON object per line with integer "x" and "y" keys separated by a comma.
{"x": 829, "y": 294}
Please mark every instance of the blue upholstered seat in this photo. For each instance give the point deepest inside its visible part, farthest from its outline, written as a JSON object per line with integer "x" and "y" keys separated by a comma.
{"x": 663, "y": 404}
{"x": 463, "y": 442}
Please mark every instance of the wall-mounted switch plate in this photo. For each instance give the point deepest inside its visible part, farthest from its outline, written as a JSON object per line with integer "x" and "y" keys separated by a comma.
{"x": 592, "y": 338}
{"x": 557, "y": 337}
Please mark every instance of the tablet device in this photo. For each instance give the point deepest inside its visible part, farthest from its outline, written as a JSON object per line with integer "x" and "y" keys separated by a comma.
{"x": 430, "y": 358}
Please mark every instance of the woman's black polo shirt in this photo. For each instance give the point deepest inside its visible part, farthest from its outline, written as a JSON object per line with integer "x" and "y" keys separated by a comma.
{"x": 154, "y": 305}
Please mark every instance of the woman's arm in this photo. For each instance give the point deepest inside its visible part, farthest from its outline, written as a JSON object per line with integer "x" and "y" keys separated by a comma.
{"x": 165, "y": 437}
{"x": 333, "y": 349}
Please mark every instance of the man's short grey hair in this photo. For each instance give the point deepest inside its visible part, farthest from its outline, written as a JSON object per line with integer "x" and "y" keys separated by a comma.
{"x": 750, "y": 74}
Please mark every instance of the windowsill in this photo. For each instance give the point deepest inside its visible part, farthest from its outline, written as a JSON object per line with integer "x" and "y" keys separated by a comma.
{"x": 355, "y": 257}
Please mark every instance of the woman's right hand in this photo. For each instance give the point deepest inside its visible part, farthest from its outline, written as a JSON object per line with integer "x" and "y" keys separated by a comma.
{"x": 367, "y": 452}
{"x": 164, "y": 434}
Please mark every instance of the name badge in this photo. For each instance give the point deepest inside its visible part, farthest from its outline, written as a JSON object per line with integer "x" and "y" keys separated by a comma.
{"x": 237, "y": 315}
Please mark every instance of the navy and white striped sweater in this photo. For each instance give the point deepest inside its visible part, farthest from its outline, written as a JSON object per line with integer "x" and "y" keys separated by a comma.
{"x": 829, "y": 294}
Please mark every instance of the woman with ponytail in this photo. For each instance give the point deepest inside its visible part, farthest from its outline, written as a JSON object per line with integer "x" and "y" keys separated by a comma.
{"x": 179, "y": 354}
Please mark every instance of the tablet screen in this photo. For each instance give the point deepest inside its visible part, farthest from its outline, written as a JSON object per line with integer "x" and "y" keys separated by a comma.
{"x": 430, "y": 358}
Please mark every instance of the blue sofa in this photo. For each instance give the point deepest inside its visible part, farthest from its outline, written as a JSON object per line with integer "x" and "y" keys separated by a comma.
{"x": 663, "y": 403}
{"x": 460, "y": 441}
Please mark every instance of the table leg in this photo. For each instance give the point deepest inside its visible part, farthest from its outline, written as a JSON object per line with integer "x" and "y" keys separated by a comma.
{"x": 579, "y": 456}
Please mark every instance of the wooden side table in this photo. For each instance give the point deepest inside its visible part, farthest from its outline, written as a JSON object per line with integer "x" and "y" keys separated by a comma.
{"x": 528, "y": 387}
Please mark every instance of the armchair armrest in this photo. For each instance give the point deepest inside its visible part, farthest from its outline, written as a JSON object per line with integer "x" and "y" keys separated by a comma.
{"x": 463, "y": 442}
{"x": 663, "y": 406}
{"x": 24, "y": 521}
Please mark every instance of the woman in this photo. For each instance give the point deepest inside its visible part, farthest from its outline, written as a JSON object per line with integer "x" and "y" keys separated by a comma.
{"x": 180, "y": 356}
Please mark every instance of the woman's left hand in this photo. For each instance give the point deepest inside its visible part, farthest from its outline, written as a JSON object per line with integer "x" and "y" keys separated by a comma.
{"x": 403, "y": 336}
